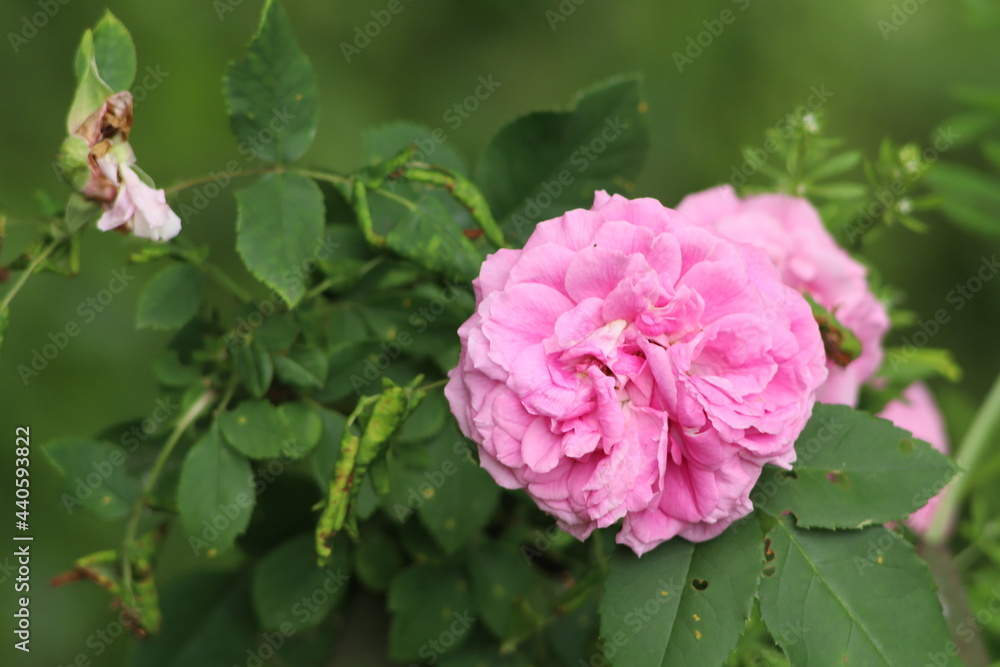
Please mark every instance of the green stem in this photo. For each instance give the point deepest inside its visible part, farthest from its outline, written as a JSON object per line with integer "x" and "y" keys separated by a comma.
{"x": 208, "y": 178}
{"x": 31, "y": 268}
{"x": 227, "y": 282}
{"x": 132, "y": 528}
{"x": 974, "y": 445}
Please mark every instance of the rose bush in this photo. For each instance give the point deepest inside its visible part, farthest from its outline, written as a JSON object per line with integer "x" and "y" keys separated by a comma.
{"x": 792, "y": 234}
{"x": 628, "y": 364}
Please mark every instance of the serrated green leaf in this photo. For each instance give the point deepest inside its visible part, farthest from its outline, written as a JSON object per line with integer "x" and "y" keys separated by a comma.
{"x": 96, "y": 476}
{"x": 853, "y": 470}
{"x": 271, "y": 92}
{"x": 856, "y": 598}
{"x": 682, "y": 603}
{"x": 545, "y": 163}
{"x": 257, "y": 429}
{"x": 306, "y": 429}
{"x": 255, "y": 367}
{"x": 288, "y": 587}
{"x": 216, "y": 494}
{"x": 171, "y": 298}
{"x": 427, "y": 601}
{"x": 279, "y": 226}
{"x": 305, "y": 366}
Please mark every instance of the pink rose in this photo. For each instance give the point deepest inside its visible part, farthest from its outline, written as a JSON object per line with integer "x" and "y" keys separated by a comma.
{"x": 790, "y": 230}
{"x": 916, "y": 412}
{"x": 141, "y": 206}
{"x": 627, "y": 364}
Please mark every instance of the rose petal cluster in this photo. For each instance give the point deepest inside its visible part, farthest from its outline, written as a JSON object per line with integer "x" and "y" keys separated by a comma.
{"x": 111, "y": 175}
{"x": 792, "y": 234}
{"x": 629, "y": 365}
{"x": 917, "y": 412}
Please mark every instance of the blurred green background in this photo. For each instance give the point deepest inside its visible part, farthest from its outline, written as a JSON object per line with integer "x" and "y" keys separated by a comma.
{"x": 430, "y": 56}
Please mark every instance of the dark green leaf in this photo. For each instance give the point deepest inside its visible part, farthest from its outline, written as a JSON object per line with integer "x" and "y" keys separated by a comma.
{"x": 386, "y": 141}
{"x": 289, "y": 590}
{"x": 305, "y": 366}
{"x": 171, "y": 298}
{"x": 279, "y": 227}
{"x": 114, "y": 53}
{"x": 216, "y": 495}
{"x": 500, "y": 577}
{"x": 306, "y": 429}
{"x": 855, "y": 598}
{"x": 277, "y": 332}
{"x": 96, "y": 476}
{"x": 257, "y": 429}
{"x": 428, "y": 601}
{"x": 377, "y": 558}
{"x": 682, "y": 603}
{"x": 255, "y": 367}
{"x": 271, "y": 93}
{"x": 545, "y": 163}
{"x": 853, "y": 470}
{"x": 81, "y": 212}
{"x": 208, "y": 622}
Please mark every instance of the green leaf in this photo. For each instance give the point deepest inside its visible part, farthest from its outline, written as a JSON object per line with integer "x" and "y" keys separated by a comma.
{"x": 257, "y": 429}
{"x": 970, "y": 197}
{"x": 253, "y": 362}
{"x": 279, "y": 226}
{"x": 216, "y": 494}
{"x": 853, "y": 470}
{"x": 835, "y": 166}
{"x": 426, "y": 420}
{"x": 277, "y": 332}
{"x": 288, "y": 588}
{"x": 171, "y": 298}
{"x": 306, "y": 429}
{"x": 377, "y": 558}
{"x": 500, "y": 578}
{"x": 682, "y": 603}
{"x": 905, "y": 364}
{"x": 545, "y": 163}
{"x": 854, "y": 598}
{"x": 208, "y": 621}
{"x": 91, "y": 90}
{"x": 428, "y": 601}
{"x": 80, "y": 211}
{"x": 305, "y": 367}
{"x": 172, "y": 372}
{"x": 96, "y": 476}
{"x": 114, "y": 53}
{"x": 425, "y": 232}
{"x": 386, "y": 141}
{"x": 271, "y": 93}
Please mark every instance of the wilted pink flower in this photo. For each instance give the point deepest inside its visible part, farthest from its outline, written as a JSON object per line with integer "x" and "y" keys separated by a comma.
{"x": 917, "y": 412}
{"x": 141, "y": 206}
{"x": 790, "y": 230}
{"x": 627, "y": 364}
{"x": 101, "y": 147}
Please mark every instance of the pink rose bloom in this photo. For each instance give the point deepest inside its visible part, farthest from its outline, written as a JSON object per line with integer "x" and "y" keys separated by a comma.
{"x": 917, "y": 413}
{"x": 140, "y": 206}
{"x": 627, "y": 364}
{"x": 791, "y": 233}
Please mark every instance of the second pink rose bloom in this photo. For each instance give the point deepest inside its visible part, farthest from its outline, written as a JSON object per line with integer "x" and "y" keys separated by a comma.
{"x": 792, "y": 234}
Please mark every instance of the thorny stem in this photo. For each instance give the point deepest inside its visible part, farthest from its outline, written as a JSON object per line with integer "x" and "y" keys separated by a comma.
{"x": 132, "y": 528}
